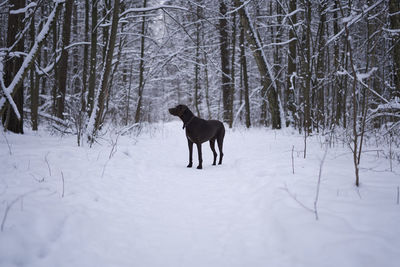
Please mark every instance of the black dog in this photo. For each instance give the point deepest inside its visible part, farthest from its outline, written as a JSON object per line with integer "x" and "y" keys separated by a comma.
{"x": 199, "y": 131}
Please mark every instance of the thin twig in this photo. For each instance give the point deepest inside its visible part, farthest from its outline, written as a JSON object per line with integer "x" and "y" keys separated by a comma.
{"x": 104, "y": 168}
{"x": 62, "y": 178}
{"x": 292, "y": 159}
{"x": 47, "y": 162}
{"x": 319, "y": 181}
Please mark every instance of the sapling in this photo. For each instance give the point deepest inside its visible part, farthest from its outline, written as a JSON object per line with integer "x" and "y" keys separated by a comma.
{"x": 319, "y": 181}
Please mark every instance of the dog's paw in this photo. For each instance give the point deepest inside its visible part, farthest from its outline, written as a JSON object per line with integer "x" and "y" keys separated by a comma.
{"x": 199, "y": 167}
{"x": 190, "y": 165}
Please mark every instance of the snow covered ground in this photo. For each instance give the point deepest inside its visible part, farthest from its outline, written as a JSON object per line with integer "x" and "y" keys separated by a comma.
{"x": 143, "y": 207}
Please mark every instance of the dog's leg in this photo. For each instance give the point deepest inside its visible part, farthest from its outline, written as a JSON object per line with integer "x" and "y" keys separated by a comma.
{"x": 200, "y": 156}
{"x": 190, "y": 144}
{"x": 212, "y": 145}
{"x": 220, "y": 141}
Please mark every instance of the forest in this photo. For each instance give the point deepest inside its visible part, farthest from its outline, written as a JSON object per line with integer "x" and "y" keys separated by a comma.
{"x": 311, "y": 65}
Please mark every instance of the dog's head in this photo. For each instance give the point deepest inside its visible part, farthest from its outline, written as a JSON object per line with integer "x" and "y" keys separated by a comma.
{"x": 178, "y": 110}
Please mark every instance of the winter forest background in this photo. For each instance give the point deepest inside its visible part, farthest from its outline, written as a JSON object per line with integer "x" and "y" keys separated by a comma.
{"x": 313, "y": 65}
{"x": 317, "y": 66}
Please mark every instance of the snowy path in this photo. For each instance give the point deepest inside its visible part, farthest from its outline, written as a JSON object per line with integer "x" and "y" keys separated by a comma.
{"x": 148, "y": 209}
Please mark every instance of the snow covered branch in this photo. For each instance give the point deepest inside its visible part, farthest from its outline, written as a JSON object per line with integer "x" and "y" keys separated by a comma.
{"x": 147, "y": 9}
{"x": 352, "y": 19}
{"x": 23, "y": 10}
{"x": 28, "y": 61}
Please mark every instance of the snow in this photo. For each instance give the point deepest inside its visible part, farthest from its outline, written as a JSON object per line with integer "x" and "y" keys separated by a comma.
{"x": 143, "y": 207}
{"x": 363, "y": 76}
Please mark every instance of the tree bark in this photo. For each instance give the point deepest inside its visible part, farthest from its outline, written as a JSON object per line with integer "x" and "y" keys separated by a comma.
{"x": 232, "y": 91}
{"x": 292, "y": 68}
{"x": 63, "y": 64}
{"x": 224, "y": 51}
{"x": 243, "y": 63}
{"x": 85, "y": 58}
{"x": 12, "y": 65}
{"x": 141, "y": 68}
{"x": 196, "y": 65}
{"x": 93, "y": 59}
{"x": 320, "y": 67}
{"x": 34, "y": 82}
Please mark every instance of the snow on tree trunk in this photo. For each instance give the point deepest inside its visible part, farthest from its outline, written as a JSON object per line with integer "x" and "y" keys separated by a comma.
{"x": 18, "y": 78}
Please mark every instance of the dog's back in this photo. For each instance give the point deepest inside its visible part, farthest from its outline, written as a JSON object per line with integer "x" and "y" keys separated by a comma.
{"x": 200, "y": 131}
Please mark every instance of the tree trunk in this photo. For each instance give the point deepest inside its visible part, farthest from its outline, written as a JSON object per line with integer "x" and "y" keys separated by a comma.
{"x": 141, "y": 68}
{"x": 63, "y": 67}
{"x": 196, "y": 65}
{"x": 128, "y": 98}
{"x": 243, "y": 63}
{"x": 307, "y": 71}
{"x": 12, "y": 65}
{"x": 394, "y": 8}
{"x": 106, "y": 16}
{"x": 34, "y": 82}
{"x": 207, "y": 87}
{"x": 232, "y": 92}
{"x": 85, "y": 58}
{"x": 93, "y": 58}
{"x": 262, "y": 64}
{"x": 277, "y": 50}
{"x": 292, "y": 68}
{"x": 320, "y": 70}
{"x": 224, "y": 50}
{"x": 336, "y": 85}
